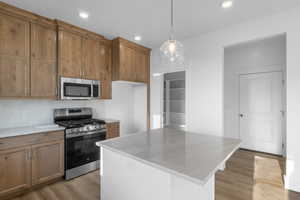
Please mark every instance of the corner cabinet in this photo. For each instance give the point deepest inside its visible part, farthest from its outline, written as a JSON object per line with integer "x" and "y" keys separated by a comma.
{"x": 30, "y": 160}
{"x": 131, "y": 62}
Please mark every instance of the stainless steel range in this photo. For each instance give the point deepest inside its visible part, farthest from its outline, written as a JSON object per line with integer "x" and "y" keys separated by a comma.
{"x": 81, "y": 134}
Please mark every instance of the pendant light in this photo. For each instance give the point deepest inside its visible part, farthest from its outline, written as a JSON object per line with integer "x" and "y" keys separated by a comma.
{"x": 172, "y": 50}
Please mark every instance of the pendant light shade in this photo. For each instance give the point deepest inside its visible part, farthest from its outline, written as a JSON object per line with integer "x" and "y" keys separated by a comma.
{"x": 172, "y": 51}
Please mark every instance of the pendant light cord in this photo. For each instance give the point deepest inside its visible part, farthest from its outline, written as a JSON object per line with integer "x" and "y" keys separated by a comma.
{"x": 172, "y": 21}
{"x": 172, "y": 14}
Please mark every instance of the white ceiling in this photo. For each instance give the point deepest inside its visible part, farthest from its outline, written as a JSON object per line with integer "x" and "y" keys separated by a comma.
{"x": 150, "y": 18}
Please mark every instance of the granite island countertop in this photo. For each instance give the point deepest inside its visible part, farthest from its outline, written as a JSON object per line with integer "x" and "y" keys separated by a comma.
{"x": 193, "y": 156}
{"x": 26, "y": 130}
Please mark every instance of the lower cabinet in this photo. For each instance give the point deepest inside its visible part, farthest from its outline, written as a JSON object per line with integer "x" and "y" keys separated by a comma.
{"x": 38, "y": 160}
{"x": 47, "y": 162}
{"x": 113, "y": 130}
{"x": 15, "y": 170}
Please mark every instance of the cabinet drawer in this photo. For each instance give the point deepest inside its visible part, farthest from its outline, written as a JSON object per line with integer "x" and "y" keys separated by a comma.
{"x": 25, "y": 140}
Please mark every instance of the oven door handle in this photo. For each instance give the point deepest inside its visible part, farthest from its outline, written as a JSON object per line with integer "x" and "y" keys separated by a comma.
{"x": 87, "y": 133}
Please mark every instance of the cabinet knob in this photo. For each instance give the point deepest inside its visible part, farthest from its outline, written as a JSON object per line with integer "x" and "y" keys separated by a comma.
{"x": 6, "y": 157}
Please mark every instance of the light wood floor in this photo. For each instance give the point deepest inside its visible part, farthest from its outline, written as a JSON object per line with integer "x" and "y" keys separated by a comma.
{"x": 248, "y": 176}
{"x": 253, "y": 176}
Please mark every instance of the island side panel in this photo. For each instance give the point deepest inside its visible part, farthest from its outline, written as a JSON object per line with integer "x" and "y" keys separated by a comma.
{"x": 125, "y": 178}
{"x": 184, "y": 189}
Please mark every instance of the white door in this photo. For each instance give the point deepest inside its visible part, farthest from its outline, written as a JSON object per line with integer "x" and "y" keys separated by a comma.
{"x": 261, "y": 112}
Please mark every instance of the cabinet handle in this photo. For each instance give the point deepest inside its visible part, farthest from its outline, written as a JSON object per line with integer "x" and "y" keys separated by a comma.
{"x": 28, "y": 155}
{"x": 33, "y": 155}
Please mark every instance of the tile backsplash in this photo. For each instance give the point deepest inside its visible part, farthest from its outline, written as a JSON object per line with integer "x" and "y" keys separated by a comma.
{"x": 15, "y": 113}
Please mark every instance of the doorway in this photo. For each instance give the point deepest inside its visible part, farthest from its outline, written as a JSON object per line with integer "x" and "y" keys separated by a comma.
{"x": 174, "y": 100}
{"x": 261, "y": 111}
{"x": 255, "y": 94}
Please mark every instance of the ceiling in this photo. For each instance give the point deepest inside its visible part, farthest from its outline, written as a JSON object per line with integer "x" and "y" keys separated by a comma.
{"x": 151, "y": 18}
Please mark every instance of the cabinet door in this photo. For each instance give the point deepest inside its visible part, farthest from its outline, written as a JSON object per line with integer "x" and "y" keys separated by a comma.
{"x": 105, "y": 70}
{"x": 113, "y": 130}
{"x": 141, "y": 67}
{"x": 70, "y": 54}
{"x": 92, "y": 60}
{"x": 15, "y": 170}
{"x": 127, "y": 68}
{"x": 43, "y": 61}
{"x": 14, "y": 57}
{"x": 47, "y": 161}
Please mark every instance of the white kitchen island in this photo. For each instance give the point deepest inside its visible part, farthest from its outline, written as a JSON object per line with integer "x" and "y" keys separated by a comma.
{"x": 163, "y": 164}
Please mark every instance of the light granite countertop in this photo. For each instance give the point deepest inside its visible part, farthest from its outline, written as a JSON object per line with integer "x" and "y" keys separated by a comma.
{"x": 193, "y": 156}
{"x": 11, "y": 132}
{"x": 109, "y": 120}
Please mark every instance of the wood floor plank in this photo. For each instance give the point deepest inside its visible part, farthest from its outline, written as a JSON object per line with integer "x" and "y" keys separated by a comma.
{"x": 248, "y": 176}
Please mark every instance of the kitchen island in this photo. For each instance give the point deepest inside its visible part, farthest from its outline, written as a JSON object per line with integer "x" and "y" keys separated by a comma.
{"x": 163, "y": 164}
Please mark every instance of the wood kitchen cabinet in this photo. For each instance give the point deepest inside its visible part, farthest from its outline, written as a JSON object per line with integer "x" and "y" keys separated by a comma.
{"x": 14, "y": 56}
{"x": 105, "y": 55}
{"x": 130, "y": 61}
{"x": 113, "y": 130}
{"x": 29, "y": 160}
{"x": 86, "y": 55}
{"x": 78, "y": 52}
{"x": 69, "y": 54}
{"x": 27, "y": 54}
{"x": 142, "y": 62}
{"x": 47, "y": 161}
{"x": 15, "y": 174}
{"x": 92, "y": 59}
{"x": 43, "y": 74}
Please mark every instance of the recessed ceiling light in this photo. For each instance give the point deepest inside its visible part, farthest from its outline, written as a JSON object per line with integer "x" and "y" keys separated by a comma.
{"x": 83, "y": 15}
{"x": 227, "y": 4}
{"x": 137, "y": 38}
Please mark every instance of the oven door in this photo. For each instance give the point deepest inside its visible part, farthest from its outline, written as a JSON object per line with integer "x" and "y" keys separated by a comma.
{"x": 76, "y": 88}
{"x": 82, "y": 149}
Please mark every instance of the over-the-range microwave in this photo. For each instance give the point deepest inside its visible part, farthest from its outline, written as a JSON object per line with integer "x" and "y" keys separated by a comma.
{"x": 79, "y": 89}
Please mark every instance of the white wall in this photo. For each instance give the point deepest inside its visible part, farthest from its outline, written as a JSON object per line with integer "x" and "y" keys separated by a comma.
{"x": 252, "y": 57}
{"x": 140, "y": 107}
{"x": 16, "y": 113}
{"x": 121, "y": 106}
{"x": 205, "y": 55}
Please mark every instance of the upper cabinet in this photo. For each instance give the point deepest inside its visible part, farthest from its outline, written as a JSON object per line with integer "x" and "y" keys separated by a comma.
{"x": 43, "y": 73}
{"x": 14, "y": 56}
{"x": 78, "y": 52}
{"x": 27, "y": 54}
{"x": 36, "y": 51}
{"x": 69, "y": 54}
{"x": 131, "y": 62}
{"x": 83, "y": 54}
{"x": 91, "y": 59}
{"x": 105, "y": 55}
